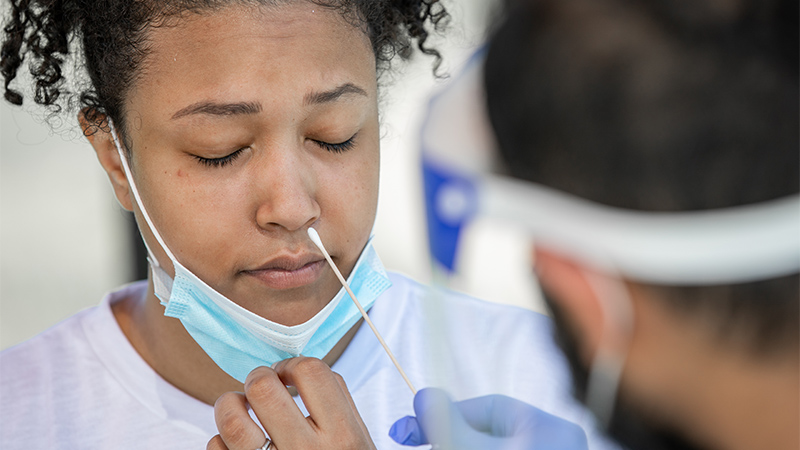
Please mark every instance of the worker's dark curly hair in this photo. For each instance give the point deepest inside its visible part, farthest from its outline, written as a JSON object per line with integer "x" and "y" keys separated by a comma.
{"x": 111, "y": 38}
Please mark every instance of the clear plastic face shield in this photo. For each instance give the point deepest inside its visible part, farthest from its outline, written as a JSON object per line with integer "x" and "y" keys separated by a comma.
{"x": 462, "y": 183}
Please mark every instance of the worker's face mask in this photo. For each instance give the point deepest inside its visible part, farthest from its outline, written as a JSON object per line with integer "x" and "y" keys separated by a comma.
{"x": 238, "y": 340}
{"x": 626, "y": 424}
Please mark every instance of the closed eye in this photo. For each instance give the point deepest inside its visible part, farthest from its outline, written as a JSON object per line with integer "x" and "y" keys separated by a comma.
{"x": 220, "y": 162}
{"x": 339, "y": 147}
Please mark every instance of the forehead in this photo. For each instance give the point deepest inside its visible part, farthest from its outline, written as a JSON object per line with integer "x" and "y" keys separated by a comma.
{"x": 245, "y": 52}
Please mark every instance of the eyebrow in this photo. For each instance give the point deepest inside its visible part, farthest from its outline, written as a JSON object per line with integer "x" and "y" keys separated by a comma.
{"x": 219, "y": 109}
{"x": 315, "y": 98}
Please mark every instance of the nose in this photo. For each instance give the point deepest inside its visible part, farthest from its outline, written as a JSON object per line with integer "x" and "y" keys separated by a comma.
{"x": 286, "y": 190}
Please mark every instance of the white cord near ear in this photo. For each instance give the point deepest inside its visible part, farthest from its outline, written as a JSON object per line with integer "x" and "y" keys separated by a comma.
{"x": 129, "y": 176}
{"x": 616, "y": 304}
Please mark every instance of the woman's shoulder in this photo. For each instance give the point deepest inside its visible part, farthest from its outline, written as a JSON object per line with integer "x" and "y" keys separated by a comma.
{"x": 66, "y": 350}
{"x": 70, "y": 337}
{"x": 39, "y": 373}
{"x": 54, "y": 343}
{"x": 65, "y": 387}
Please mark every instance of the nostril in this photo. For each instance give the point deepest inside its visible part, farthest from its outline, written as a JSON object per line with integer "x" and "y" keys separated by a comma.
{"x": 288, "y": 215}
{"x": 285, "y": 190}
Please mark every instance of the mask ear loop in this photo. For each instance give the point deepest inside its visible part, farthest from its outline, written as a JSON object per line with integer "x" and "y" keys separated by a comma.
{"x": 606, "y": 371}
{"x": 129, "y": 176}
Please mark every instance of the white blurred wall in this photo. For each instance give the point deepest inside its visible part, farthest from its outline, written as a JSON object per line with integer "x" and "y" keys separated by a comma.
{"x": 64, "y": 242}
{"x": 63, "y": 239}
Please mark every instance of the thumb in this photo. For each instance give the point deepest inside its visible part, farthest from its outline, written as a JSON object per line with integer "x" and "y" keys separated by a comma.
{"x": 434, "y": 410}
{"x": 435, "y": 415}
{"x": 443, "y": 423}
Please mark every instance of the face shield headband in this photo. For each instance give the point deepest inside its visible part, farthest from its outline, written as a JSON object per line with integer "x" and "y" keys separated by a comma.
{"x": 723, "y": 246}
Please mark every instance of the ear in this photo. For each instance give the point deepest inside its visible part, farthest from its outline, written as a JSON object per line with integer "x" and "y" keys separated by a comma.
{"x": 103, "y": 144}
{"x": 567, "y": 284}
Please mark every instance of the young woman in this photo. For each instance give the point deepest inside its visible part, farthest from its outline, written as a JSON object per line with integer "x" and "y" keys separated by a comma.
{"x": 230, "y": 128}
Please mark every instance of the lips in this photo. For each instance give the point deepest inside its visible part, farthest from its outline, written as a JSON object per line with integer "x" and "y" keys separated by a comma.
{"x": 289, "y": 272}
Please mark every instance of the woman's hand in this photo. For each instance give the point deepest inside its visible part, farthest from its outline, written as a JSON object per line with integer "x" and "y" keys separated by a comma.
{"x": 333, "y": 423}
{"x": 493, "y": 422}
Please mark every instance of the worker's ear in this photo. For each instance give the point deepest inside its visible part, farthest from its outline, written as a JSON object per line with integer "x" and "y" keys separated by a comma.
{"x": 567, "y": 284}
{"x": 97, "y": 130}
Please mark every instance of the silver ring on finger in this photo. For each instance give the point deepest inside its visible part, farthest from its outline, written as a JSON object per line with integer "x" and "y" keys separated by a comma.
{"x": 269, "y": 445}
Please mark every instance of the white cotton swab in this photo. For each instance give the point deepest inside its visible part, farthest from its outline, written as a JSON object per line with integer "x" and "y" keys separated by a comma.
{"x": 312, "y": 233}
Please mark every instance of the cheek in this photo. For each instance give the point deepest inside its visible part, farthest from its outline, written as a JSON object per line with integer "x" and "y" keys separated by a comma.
{"x": 187, "y": 210}
{"x": 209, "y": 210}
{"x": 348, "y": 197}
{"x": 367, "y": 181}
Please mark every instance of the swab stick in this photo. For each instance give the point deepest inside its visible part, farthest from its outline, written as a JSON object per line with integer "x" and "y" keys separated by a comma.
{"x": 312, "y": 233}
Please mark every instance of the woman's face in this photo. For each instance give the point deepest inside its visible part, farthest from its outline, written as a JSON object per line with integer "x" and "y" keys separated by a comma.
{"x": 248, "y": 125}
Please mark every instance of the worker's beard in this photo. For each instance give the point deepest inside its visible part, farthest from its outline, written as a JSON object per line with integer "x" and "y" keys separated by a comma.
{"x": 628, "y": 425}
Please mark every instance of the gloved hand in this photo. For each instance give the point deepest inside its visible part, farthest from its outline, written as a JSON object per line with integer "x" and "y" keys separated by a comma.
{"x": 491, "y": 422}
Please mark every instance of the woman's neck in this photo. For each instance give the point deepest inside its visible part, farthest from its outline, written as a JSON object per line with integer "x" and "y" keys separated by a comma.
{"x": 168, "y": 348}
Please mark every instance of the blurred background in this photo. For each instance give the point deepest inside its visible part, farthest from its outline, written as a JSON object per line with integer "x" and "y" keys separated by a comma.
{"x": 65, "y": 241}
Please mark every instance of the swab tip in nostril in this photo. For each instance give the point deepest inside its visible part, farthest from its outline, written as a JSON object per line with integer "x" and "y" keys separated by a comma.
{"x": 312, "y": 233}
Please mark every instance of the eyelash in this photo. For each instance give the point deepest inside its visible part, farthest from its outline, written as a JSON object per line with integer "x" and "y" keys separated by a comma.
{"x": 219, "y": 162}
{"x": 340, "y": 147}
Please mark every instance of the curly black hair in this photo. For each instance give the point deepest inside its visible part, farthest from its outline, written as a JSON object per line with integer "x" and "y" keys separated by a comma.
{"x": 110, "y": 39}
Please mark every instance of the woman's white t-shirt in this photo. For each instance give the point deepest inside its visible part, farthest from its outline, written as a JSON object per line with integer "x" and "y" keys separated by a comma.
{"x": 82, "y": 385}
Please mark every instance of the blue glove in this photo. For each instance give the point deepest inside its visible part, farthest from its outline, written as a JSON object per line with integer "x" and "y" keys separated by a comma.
{"x": 491, "y": 422}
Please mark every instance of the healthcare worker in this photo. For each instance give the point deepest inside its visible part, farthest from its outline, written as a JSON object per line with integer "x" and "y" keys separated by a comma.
{"x": 231, "y": 128}
{"x": 651, "y": 149}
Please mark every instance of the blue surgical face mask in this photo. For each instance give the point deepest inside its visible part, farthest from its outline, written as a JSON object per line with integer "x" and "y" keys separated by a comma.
{"x": 239, "y": 340}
